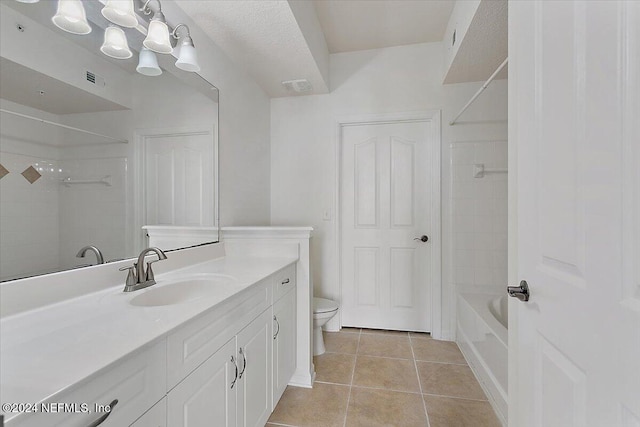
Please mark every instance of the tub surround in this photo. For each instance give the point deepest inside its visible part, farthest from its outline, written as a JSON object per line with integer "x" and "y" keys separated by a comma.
{"x": 483, "y": 339}
{"x": 56, "y": 343}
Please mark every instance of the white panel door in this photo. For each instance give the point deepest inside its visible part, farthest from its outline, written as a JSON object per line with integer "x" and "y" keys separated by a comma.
{"x": 387, "y": 202}
{"x": 179, "y": 179}
{"x": 574, "y": 112}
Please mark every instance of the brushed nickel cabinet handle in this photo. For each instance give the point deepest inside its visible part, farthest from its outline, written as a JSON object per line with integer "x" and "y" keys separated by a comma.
{"x": 233, "y": 360}
{"x": 277, "y": 331}
{"x": 244, "y": 363}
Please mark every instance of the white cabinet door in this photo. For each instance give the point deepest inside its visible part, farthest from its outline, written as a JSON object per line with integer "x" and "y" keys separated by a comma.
{"x": 154, "y": 417}
{"x": 284, "y": 343}
{"x": 254, "y": 382}
{"x": 208, "y": 396}
{"x": 574, "y": 88}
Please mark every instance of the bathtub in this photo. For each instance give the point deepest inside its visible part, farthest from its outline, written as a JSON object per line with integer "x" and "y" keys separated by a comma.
{"x": 482, "y": 335}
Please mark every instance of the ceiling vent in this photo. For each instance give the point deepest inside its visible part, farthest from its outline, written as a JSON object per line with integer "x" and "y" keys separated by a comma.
{"x": 95, "y": 79}
{"x": 299, "y": 86}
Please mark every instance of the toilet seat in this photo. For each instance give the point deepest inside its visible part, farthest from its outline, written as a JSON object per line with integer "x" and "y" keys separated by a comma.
{"x": 323, "y": 305}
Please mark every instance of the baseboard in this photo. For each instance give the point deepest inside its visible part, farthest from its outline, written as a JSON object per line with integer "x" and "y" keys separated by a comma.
{"x": 302, "y": 380}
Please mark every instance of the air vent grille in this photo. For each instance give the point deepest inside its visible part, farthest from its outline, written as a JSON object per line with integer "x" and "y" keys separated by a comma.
{"x": 94, "y": 78}
{"x": 298, "y": 86}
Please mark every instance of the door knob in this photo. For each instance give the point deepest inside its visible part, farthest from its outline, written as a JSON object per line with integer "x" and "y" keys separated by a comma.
{"x": 422, "y": 238}
{"x": 521, "y": 292}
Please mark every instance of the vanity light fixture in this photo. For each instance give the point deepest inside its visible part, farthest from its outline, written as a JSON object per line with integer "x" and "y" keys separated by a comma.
{"x": 71, "y": 17}
{"x": 157, "y": 38}
{"x": 187, "y": 56}
{"x": 27, "y": 1}
{"x": 148, "y": 63}
{"x": 120, "y": 12}
{"x": 115, "y": 43}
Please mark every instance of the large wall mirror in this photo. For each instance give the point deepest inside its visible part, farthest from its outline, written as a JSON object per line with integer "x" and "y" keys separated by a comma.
{"x": 94, "y": 153}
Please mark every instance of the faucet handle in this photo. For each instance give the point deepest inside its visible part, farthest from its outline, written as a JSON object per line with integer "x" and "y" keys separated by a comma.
{"x": 131, "y": 276}
{"x": 150, "y": 276}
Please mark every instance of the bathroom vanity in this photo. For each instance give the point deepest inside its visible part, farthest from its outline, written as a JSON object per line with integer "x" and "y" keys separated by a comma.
{"x": 212, "y": 343}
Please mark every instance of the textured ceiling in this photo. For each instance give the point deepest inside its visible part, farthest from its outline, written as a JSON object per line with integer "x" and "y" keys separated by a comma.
{"x": 261, "y": 36}
{"x": 484, "y": 46}
{"x": 372, "y": 24}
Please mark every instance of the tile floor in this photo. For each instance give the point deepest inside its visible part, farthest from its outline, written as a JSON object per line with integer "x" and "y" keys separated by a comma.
{"x": 375, "y": 378}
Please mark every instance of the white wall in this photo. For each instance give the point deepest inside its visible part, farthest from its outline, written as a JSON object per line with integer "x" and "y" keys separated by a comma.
{"x": 303, "y": 141}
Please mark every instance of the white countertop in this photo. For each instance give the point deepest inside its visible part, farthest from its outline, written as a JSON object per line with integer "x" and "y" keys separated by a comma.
{"x": 49, "y": 349}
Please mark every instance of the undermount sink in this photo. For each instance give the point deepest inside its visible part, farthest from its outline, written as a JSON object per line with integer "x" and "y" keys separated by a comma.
{"x": 184, "y": 291}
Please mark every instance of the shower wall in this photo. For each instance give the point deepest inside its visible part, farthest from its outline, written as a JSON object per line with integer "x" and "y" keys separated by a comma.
{"x": 43, "y": 222}
{"x": 29, "y": 213}
{"x": 93, "y": 214}
{"x": 479, "y": 216}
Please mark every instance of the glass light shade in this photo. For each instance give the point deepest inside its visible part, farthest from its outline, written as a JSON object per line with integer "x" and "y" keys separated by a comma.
{"x": 157, "y": 38}
{"x": 120, "y": 12}
{"x": 188, "y": 58}
{"x": 27, "y": 1}
{"x": 71, "y": 17}
{"x": 115, "y": 44}
{"x": 148, "y": 63}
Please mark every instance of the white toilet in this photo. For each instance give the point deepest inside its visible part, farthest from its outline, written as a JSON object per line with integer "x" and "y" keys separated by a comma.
{"x": 323, "y": 310}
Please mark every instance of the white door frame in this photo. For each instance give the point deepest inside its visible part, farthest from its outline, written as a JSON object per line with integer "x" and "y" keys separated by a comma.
{"x": 432, "y": 116}
{"x": 141, "y": 137}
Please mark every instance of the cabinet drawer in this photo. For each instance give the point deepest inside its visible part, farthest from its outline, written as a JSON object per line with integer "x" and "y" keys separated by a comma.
{"x": 192, "y": 344}
{"x": 284, "y": 281}
{"x": 137, "y": 383}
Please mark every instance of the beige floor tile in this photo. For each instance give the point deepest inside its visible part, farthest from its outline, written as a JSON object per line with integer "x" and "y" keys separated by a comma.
{"x": 420, "y": 335}
{"x": 324, "y": 405}
{"x": 381, "y": 372}
{"x": 334, "y": 367}
{"x": 385, "y": 332}
{"x": 437, "y": 351}
{"x": 341, "y": 342}
{"x": 448, "y": 412}
{"x": 352, "y": 330}
{"x": 385, "y": 346}
{"x": 449, "y": 380}
{"x": 372, "y": 408}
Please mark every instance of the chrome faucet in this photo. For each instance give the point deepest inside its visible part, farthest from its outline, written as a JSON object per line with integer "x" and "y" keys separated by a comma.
{"x": 99, "y": 258}
{"x": 138, "y": 277}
